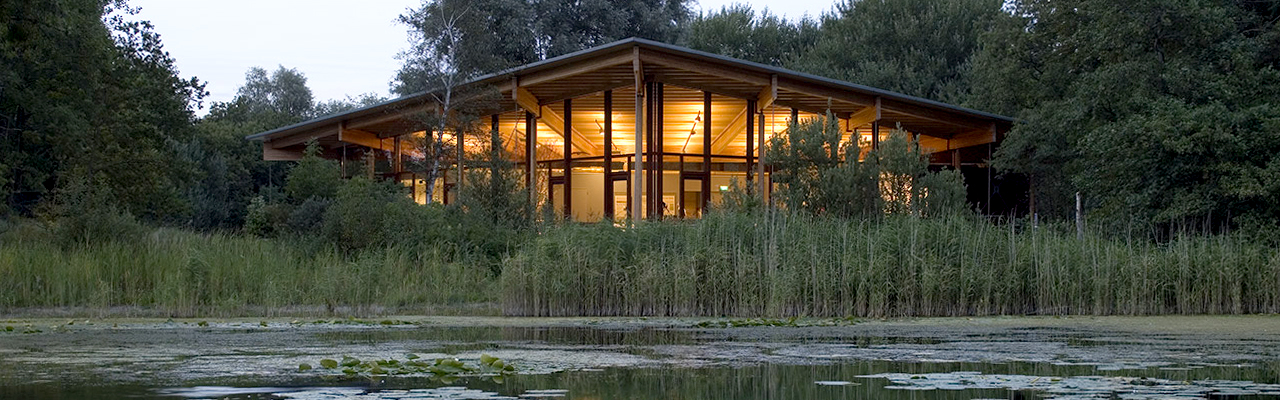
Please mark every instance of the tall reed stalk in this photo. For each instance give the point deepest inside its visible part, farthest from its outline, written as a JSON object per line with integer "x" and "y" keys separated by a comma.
{"x": 182, "y": 273}
{"x": 787, "y": 264}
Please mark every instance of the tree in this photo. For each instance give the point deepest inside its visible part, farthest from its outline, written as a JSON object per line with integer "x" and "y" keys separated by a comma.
{"x": 89, "y": 95}
{"x": 736, "y": 31}
{"x": 1159, "y": 112}
{"x": 917, "y": 47}
{"x": 566, "y": 26}
{"x": 439, "y": 60}
{"x": 283, "y": 95}
{"x": 490, "y": 35}
{"x": 819, "y": 173}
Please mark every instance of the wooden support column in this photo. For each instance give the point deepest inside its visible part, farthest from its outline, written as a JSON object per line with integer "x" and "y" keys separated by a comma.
{"x": 875, "y": 127}
{"x": 751, "y": 123}
{"x": 608, "y": 155}
{"x": 706, "y": 152}
{"x": 568, "y": 160}
{"x": 764, "y": 183}
{"x": 990, "y": 154}
{"x": 795, "y": 117}
{"x": 396, "y": 164}
{"x": 461, "y": 164}
{"x": 531, "y": 156}
{"x": 875, "y": 135}
{"x": 659, "y": 164}
{"x": 495, "y": 133}
{"x": 637, "y": 178}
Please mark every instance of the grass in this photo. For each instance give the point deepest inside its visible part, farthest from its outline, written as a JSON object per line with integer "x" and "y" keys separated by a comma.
{"x": 184, "y": 274}
{"x": 777, "y": 266}
{"x": 788, "y": 265}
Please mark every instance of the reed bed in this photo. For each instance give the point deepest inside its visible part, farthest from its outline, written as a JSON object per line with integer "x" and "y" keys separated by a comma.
{"x": 186, "y": 274}
{"x": 793, "y": 265}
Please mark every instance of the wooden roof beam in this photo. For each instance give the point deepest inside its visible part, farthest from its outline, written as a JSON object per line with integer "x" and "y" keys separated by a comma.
{"x": 702, "y": 67}
{"x": 567, "y": 71}
{"x": 554, "y": 121}
{"x": 825, "y": 92}
{"x": 866, "y": 115}
{"x": 303, "y": 137}
{"x": 768, "y": 94}
{"x": 272, "y": 154}
{"x": 912, "y": 110}
{"x": 959, "y": 141}
{"x": 363, "y": 138}
{"x": 730, "y": 132}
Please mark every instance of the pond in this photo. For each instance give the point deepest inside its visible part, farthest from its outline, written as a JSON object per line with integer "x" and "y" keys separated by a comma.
{"x": 631, "y": 358}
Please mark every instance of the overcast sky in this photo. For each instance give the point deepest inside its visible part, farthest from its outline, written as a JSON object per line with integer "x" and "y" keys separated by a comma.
{"x": 344, "y": 47}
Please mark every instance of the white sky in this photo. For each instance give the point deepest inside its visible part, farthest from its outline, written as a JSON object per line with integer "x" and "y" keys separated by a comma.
{"x": 344, "y": 47}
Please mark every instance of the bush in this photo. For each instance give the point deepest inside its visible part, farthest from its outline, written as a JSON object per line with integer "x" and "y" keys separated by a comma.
{"x": 84, "y": 213}
{"x": 819, "y": 174}
{"x": 313, "y": 176}
{"x": 309, "y": 216}
{"x": 265, "y": 218}
{"x": 358, "y": 214}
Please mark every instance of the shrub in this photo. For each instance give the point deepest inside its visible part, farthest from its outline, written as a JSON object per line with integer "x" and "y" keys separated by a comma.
{"x": 313, "y": 176}
{"x": 85, "y": 213}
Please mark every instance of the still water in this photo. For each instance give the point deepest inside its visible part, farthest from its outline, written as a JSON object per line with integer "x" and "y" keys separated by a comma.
{"x": 590, "y": 359}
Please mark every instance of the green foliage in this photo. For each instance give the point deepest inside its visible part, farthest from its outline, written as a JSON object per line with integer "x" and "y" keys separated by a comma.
{"x": 736, "y": 31}
{"x": 741, "y": 198}
{"x": 283, "y": 96}
{"x": 917, "y": 47}
{"x": 788, "y": 264}
{"x": 86, "y": 91}
{"x": 361, "y": 208}
{"x": 490, "y": 35}
{"x": 313, "y": 176}
{"x": 184, "y": 274}
{"x": 85, "y": 213}
{"x": 818, "y": 173}
{"x": 1160, "y": 112}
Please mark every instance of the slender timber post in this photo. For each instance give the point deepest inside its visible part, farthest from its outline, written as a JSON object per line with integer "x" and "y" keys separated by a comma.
{"x": 751, "y": 123}
{"x": 764, "y": 183}
{"x": 875, "y": 135}
{"x": 706, "y": 152}
{"x": 637, "y": 179}
{"x": 568, "y": 159}
{"x": 656, "y": 110}
{"x": 462, "y": 157}
{"x": 608, "y": 155}
{"x": 531, "y": 157}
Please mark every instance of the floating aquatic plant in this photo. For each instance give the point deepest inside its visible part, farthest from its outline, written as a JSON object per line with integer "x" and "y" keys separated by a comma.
{"x": 445, "y": 369}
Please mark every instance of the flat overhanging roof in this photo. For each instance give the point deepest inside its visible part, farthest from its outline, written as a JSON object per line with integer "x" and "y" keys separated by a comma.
{"x": 622, "y": 64}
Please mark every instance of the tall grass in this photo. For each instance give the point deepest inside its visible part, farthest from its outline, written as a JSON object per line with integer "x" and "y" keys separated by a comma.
{"x": 182, "y": 273}
{"x": 785, "y": 264}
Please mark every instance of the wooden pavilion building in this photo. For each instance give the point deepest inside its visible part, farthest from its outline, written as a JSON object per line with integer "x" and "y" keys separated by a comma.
{"x": 638, "y": 124}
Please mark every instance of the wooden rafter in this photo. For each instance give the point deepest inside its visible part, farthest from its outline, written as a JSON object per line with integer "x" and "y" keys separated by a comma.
{"x": 932, "y": 115}
{"x": 768, "y": 94}
{"x": 865, "y": 116}
{"x": 730, "y": 131}
{"x": 530, "y": 103}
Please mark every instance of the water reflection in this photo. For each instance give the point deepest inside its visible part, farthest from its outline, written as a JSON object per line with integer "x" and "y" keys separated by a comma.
{"x": 861, "y": 380}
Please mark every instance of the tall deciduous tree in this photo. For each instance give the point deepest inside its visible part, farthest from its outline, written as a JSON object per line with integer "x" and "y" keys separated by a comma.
{"x": 918, "y": 47}
{"x": 737, "y": 31}
{"x": 88, "y": 94}
{"x": 1159, "y": 111}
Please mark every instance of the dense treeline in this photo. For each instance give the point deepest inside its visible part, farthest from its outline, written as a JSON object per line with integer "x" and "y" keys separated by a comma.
{"x": 1162, "y": 114}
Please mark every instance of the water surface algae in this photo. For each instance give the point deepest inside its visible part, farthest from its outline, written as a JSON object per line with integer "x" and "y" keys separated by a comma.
{"x": 1060, "y": 358}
